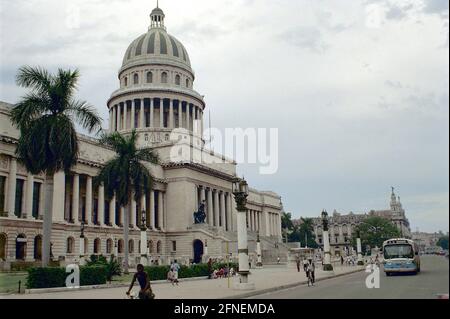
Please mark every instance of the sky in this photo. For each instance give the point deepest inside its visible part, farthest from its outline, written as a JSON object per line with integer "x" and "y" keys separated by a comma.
{"x": 359, "y": 90}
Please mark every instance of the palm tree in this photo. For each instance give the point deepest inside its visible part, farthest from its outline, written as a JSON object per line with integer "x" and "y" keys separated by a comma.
{"x": 46, "y": 118}
{"x": 125, "y": 176}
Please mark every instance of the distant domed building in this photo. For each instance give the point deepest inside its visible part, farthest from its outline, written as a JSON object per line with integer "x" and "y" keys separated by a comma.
{"x": 156, "y": 97}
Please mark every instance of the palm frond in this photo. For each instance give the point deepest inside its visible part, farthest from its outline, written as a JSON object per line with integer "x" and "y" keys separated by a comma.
{"x": 30, "y": 107}
{"x": 35, "y": 78}
{"x": 147, "y": 155}
{"x": 85, "y": 115}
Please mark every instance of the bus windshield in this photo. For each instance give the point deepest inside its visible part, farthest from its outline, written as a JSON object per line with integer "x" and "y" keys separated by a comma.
{"x": 398, "y": 251}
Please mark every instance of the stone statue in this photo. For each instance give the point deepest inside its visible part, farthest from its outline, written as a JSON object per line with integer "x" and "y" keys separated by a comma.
{"x": 200, "y": 215}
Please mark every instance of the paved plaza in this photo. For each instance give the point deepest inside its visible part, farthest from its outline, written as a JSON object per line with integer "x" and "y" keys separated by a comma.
{"x": 270, "y": 278}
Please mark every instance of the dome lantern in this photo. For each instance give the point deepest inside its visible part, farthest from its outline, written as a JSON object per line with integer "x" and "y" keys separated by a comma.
{"x": 157, "y": 18}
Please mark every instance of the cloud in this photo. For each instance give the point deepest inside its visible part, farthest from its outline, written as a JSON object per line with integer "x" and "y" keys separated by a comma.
{"x": 309, "y": 38}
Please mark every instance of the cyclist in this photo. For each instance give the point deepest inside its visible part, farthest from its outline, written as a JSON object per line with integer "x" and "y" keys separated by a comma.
{"x": 310, "y": 271}
{"x": 144, "y": 282}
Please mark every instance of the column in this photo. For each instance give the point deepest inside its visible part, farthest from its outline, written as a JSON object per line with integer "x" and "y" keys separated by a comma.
{"x": 133, "y": 113}
{"x": 101, "y": 205}
{"x": 119, "y": 120}
{"x": 142, "y": 114}
{"x": 180, "y": 114}
{"x": 12, "y": 181}
{"x": 161, "y": 210}
{"x": 112, "y": 210}
{"x": 88, "y": 204}
{"x": 216, "y": 208}
{"x": 110, "y": 114}
{"x": 125, "y": 115}
{"x": 222, "y": 210}
{"x": 210, "y": 208}
{"x": 152, "y": 209}
{"x": 152, "y": 112}
{"x": 201, "y": 123}
{"x": 143, "y": 208}
{"x": 171, "y": 121}
{"x": 230, "y": 212}
{"x": 122, "y": 217}
{"x": 29, "y": 197}
{"x": 161, "y": 113}
{"x": 133, "y": 212}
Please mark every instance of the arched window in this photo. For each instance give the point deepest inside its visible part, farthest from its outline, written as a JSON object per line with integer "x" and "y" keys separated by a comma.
{"x": 177, "y": 80}
{"x": 131, "y": 246}
{"x": 97, "y": 247}
{"x": 120, "y": 246}
{"x": 70, "y": 245}
{"x": 188, "y": 83}
{"x": 135, "y": 78}
{"x": 21, "y": 247}
{"x": 158, "y": 247}
{"x": 150, "y": 246}
{"x": 125, "y": 81}
{"x": 164, "y": 77}
{"x": 3, "y": 241}
{"x": 109, "y": 244}
{"x": 149, "y": 77}
{"x": 37, "y": 251}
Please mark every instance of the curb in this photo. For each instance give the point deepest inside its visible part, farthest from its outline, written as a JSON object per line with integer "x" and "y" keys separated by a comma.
{"x": 288, "y": 286}
{"x": 124, "y": 285}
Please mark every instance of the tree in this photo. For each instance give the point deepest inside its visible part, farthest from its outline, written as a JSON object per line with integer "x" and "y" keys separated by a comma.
{"x": 46, "y": 118}
{"x": 374, "y": 231}
{"x": 286, "y": 224}
{"x": 125, "y": 176}
{"x": 443, "y": 242}
{"x": 304, "y": 233}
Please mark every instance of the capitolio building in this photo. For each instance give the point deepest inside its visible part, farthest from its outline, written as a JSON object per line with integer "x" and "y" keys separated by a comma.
{"x": 156, "y": 97}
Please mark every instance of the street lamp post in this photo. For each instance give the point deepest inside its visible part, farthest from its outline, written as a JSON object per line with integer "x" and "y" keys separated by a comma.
{"x": 143, "y": 247}
{"x": 240, "y": 192}
{"x": 258, "y": 252}
{"x": 82, "y": 258}
{"x": 358, "y": 248}
{"x": 326, "y": 244}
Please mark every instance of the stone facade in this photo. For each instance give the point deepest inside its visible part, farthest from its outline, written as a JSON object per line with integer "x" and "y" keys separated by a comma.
{"x": 157, "y": 99}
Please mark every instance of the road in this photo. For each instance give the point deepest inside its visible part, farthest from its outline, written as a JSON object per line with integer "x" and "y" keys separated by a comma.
{"x": 432, "y": 281}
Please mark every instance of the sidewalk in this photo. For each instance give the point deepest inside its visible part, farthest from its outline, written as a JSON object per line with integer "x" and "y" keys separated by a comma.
{"x": 270, "y": 278}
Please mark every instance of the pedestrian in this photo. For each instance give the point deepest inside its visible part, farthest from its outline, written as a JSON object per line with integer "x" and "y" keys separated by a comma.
{"x": 175, "y": 268}
{"x": 298, "y": 264}
{"x": 342, "y": 260}
{"x": 144, "y": 282}
{"x": 311, "y": 271}
{"x": 305, "y": 264}
{"x": 278, "y": 260}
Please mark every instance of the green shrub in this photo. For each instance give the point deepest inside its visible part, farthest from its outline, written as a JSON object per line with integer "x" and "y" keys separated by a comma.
{"x": 93, "y": 275}
{"x": 46, "y": 277}
{"x": 56, "y": 277}
{"x": 112, "y": 266}
{"x": 157, "y": 272}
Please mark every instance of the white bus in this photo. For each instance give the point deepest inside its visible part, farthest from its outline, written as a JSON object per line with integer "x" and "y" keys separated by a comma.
{"x": 401, "y": 255}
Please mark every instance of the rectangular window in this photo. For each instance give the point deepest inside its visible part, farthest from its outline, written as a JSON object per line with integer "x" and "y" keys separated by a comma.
{"x": 155, "y": 201}
{"x": 36, "y": 197}
{"x": 174, "y": 245}
{"x": 19, "y": 196}
{"x": 2, "y": 193}
{"x": 117, "y": 214}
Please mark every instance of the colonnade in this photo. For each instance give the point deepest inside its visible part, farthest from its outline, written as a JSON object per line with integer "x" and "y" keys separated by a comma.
{"x": 156, "y": 113}
{"x": 218, "y": 207}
